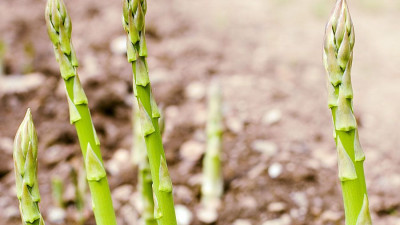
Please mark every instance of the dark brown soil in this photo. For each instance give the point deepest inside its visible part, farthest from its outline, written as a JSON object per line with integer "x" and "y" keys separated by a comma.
{"x": 267, "y": 55}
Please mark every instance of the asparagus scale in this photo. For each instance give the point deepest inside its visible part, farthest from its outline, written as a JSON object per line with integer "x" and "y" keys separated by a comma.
{"x": 338, "y": 58}
{"x": 59, "y": 29}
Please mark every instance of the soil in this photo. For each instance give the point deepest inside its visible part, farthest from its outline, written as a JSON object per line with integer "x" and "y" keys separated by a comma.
{"x": 267, "y": 57}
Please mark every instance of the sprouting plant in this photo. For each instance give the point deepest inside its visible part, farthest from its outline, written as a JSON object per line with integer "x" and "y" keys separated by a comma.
{"x": 134, "y": 24}
{"x": 212, "y": 185}
{"x": 25, "y": 165}
{"x": 78, "y": 179}
{"x": 57, "y": 190}
{"x": 144, "y": 177}
{"x": 338, "y": 57}
{"x": 59, "y": 28}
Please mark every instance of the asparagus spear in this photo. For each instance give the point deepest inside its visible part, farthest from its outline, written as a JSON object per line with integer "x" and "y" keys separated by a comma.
{"x": 212, "y": 186}
{"x": 25, "y": 164}
{"x": 338, "y": 57}
{"x": 134, "y": 24}
{"x": 59, "y": 29}
{"x": 144, "y": 178}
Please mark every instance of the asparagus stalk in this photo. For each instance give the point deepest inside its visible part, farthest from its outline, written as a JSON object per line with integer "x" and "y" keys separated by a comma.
{"x": 57, "y": 190}
{"x": 134, "y": 24}
{"x": 338, "y": 57}
{"x": 25, "y": 164}
{"x": 212, "y": 186}
{"x": 144, "y": 178}
{"x": 59, "y": 29}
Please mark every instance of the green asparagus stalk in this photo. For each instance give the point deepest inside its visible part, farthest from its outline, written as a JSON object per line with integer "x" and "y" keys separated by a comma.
{"x": 59, "y": 29}
{"x": 144, "y": 177}
{"x": 57, "y": 190}
{"x": 25, "y": 164}
{"x": 212, "y": 185}
{"x": 338, "y": 57}
{"x": 134, "y": 24}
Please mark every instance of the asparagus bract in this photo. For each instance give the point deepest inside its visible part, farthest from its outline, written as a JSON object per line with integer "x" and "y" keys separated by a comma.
{"x": 212, "y": 186}
{"x": 59, "y": 28}
{"x": 25, "y": 165}
{"x": 338, "y": 57}
{"x": 133, "y": 21}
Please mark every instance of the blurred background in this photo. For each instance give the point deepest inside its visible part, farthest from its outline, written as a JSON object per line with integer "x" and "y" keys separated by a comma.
{"x": 279, "y": 157}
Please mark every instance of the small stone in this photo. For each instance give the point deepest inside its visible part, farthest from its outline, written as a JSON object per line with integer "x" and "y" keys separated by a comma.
{"x": 119, "y": 161}
{"x": 122, "y": 193}
{"x": 207, "y": 215}
{"x": 192, "y": 150}
{"x": 283, "y": 220}
{"x": 129, "y": 214}
{"x": 183, "y": 215}
{"x": 268, "y": 148}
{"x": 330, "y": 215}
{"x": 20, "y": 83}
{"x": 57, "y": 153}
{"x": 195, "y": 90}
{"x": 275, "y": 170}
{"x": 247, "y": 201}
{"x": 183, "y": 193}
{"x": 241, "y": 222}
{"x": 277, "y": 207}
{"x": 234, "y": 124}
{"x": 118, "y": 45}
{"x": 56, "y": 215}
{"x": 300, "y": 198}
{"x": 272, "y": 117}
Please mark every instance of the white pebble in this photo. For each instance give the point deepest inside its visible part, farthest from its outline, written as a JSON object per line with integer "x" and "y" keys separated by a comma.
{"x": 272, "y": 117}
{"x": 275, "y": 170}
{"x": 183, "y": 215}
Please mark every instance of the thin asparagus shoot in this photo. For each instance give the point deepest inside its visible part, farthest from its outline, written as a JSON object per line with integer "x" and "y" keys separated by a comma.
{"x": 338, "y": 57}
{"x": 25, "y": 165}
{"x": 59, "y": 29}
{"x": 133, "y": 20}
{"x": 57, "y": 190}
{"x": 212, "y": 184}
{"x": 144, "y": 177}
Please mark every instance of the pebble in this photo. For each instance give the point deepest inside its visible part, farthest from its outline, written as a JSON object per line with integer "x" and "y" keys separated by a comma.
{"x": 120, "y": 159}
{"x": 272, "y": 117}
{"x": 57, "y": 153}
{"x": 195, "y": 90}
{"x": 242, "y": 222}
{"x": 183, "y": 193}
{"x": 56, "y": 215}
{"x": 330, "y": 215}
{"x": 300, "y": 198}
{"x": 20, "y": 83}
{"x": 268, "y": 148}
{"x": 277, "y": 207}
{"x": 207, "y": 215}
{"x": 234, "y": 124}
{"x": 275, "y": 170}
{"x": 183, "y": 215}
{"x": 122, "y": 193}
{"x": 283, "y": 220}
{"x": 192, "y": 150}
{"x": 118, "y": 45}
